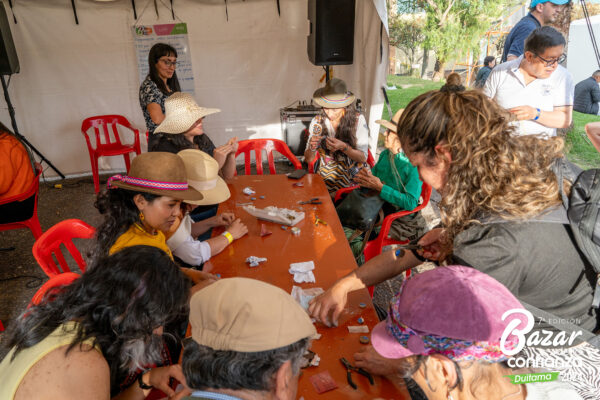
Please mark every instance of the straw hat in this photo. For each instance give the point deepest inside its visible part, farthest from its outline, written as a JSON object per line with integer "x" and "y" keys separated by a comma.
{"x": 181, "y": 112}
{"x": 157, "y": 173}
{"x": 203, "y": 175}
{"x": 247, "y": 315}
{"x": 393, "y": 124}
{"x": 334, "y": 94}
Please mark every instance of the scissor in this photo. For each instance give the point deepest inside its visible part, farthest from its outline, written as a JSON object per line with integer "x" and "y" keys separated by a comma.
{"x": 314, "y": 200}
{"x": 350, "y": 368}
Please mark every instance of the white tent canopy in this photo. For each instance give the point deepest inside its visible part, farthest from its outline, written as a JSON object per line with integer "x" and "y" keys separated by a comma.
{"x": 581, "y": 62}
{"x": 249, "y": 66}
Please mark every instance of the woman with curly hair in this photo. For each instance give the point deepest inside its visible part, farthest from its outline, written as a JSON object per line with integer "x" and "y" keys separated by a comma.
{"x": 87, "y": 340}
{"x": 497, "y": 190}
{"x": 339, "y": 136}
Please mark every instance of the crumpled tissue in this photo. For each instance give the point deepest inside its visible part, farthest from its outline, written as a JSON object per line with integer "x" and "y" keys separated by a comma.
{"x": 254, "y": 261}
{"x": 302, "y": 271}
{"x": 304, "y": 296}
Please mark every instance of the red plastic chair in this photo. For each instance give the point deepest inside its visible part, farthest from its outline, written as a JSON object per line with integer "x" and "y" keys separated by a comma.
{"x": 49, "y": 243}
{"x": 63, "y": 279}
{"x": 268, "y": 145}
{"x": 374, "y": 247}
{"x": 311, "y": 165}
{"x": 105, "y": 145}
{"x": 33, "y": 223}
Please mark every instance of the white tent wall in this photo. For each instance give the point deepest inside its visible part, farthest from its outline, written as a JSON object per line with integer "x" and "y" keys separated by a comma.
{"x": 581, "y": 60}
{"x": 249, "y": 67}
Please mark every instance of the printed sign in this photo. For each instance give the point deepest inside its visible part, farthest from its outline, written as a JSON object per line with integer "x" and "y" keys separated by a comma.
{"x": 145, "y": 36}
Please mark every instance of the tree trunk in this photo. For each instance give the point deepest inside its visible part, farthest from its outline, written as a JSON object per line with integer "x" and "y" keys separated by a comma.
{"x": 438, "y": 70}
{"x": 425, "y": 61}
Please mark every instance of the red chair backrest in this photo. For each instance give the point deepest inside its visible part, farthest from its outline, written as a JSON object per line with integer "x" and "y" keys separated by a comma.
{"x": 62, "y": 233}
{"x": 268, "y": 145}
{"x": 101, "y": 124}
{"x": 63, "y": 279}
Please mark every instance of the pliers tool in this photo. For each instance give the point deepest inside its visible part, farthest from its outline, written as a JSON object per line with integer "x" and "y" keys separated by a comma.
{"x": 314, "y": 200}
{"x": 350, "y": 368}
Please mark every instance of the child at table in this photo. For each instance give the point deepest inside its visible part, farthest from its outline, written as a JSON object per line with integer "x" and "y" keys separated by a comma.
{"x": 203, "y": 171}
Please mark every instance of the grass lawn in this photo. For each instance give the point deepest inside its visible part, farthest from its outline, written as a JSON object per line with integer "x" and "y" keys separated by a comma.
{"x": 577, "y": 145}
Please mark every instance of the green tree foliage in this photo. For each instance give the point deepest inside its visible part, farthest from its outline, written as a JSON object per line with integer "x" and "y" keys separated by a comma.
{"x": 407, "y": 34}
{"x": 453, "y": 27}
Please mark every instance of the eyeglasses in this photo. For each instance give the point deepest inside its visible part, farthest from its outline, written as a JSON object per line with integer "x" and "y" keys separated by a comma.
{"x": 169, "y": 63}
{"x": 553, "y": 61}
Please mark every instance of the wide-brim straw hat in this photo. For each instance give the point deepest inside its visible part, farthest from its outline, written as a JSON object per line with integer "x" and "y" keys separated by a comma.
{"x": 393, "y": 124}
{"x": 158, "y": 173}
{"x": 334, "y": 94}
{"x": 181, "y": 113}
{"x": 203, "y": 175}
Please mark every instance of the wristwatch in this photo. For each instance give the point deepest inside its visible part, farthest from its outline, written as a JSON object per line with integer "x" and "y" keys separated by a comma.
{"x": 141, "y": 383}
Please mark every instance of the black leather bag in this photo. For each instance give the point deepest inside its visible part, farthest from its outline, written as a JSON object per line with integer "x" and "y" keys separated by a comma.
{"x": 360, "y": 208}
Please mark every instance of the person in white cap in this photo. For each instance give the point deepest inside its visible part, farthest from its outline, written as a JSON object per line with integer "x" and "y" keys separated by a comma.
{"x": 248, "y": 339}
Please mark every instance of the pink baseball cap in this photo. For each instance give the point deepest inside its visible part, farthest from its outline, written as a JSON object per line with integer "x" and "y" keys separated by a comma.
{"x": 455, "y": 311}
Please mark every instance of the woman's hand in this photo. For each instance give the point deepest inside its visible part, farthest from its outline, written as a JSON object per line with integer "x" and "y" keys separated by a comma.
{"x": 523, "y": 113}
{"x": 237, "y": 229}
{"x": 366, "y": 179}
{"x": 160, "y": 377}
{"x": 334, "y": 144}
{"x": 331, "y": 302}
{"x": 315, "y": 142}
{"x": 200, "y": 276}
{"x": 223, "y": 219}
{"x": 233, "y": 143}
{"x": 372, "y": 362}
{"x": 433, "y": 248}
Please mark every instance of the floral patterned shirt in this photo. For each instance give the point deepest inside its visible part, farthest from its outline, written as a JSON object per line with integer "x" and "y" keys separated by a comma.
{"x": 150, "y": 93}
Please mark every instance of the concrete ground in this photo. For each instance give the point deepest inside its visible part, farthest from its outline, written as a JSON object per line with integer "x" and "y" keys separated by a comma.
{"x": 21, "y": 276}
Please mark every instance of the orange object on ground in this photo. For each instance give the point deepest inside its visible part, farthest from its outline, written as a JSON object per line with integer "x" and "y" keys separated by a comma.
{"x": 327, "y": 246}
{"x": 16, "y": 173}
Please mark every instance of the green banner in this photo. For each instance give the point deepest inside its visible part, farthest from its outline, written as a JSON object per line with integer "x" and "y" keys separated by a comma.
{"x": 530, "y": 378}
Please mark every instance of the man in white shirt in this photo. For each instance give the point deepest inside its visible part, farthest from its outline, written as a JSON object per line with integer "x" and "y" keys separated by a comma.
{"x": 534, "y": 87}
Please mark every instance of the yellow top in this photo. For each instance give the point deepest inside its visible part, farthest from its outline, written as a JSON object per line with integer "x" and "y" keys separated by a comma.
{"x": 13, "y": 372}
{"x": 136, "y": 235}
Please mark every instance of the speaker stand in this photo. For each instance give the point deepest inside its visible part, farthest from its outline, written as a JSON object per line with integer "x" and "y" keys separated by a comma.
{"x": 11, "y": 111}
{"x": 327, "y": 76}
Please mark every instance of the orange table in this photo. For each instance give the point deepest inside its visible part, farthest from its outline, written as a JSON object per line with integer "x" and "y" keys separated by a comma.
{"x": 327, "y": 246}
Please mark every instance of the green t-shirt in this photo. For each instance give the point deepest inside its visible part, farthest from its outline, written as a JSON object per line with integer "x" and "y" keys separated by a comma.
{"x": 403, "y": 189}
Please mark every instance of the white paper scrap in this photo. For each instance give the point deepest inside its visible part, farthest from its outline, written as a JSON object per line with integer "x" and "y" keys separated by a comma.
{"x": 358, "y": 329}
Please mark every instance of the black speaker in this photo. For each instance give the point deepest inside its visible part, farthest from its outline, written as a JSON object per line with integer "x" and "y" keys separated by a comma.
{"x": 9, "y": 62}
{"x": 331, "y": 38}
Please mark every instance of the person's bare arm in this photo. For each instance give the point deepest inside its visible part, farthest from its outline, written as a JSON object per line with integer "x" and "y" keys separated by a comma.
{"x": 511, "y": 57}
{"x": 328, "y": 306}
{"x": 560, "y": 117}
{"x": 334, "y": 144}
{"x": 593, "y": 132}
{"x": 156, "y": 114}
{"x": 83, "y": 374}
{"x": 217, "y": 244}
